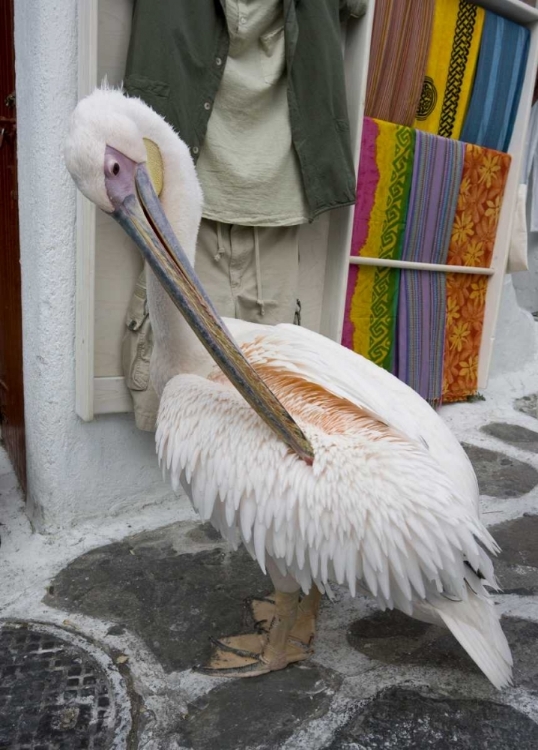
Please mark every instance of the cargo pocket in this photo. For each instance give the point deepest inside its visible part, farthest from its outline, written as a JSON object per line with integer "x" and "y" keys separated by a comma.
{"x": 154, "y": 93}
{"x": 272, "y": 55}
{"x": 137, "y": 346}
{"x": 137, "y": 342}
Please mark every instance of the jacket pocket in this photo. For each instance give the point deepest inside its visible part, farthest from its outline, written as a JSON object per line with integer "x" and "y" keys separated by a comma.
{"x": 137, "y": 342}
{"x": 154, "y": 93}
{"x": 272, "y": 55}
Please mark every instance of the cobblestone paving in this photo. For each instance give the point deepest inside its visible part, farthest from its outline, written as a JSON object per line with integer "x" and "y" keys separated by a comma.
{"x": 527, "y": 404}
{"x": 513, "y": 434}
{"x": 377, "y": 680}
{"x": 499, "y": 475}
{"x": 401, "y": 719}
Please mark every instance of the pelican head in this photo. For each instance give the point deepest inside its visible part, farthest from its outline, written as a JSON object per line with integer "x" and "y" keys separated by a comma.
{"x": 106, "y": 156}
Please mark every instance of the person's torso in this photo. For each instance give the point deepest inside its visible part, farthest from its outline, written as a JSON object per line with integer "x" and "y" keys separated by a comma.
{"x": 247, "y": 166}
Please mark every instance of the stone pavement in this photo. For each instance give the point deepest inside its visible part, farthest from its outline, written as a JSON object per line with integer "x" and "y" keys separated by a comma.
{"x": 144, "y": 597}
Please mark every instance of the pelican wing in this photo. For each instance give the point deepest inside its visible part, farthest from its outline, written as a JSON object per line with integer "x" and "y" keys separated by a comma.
{"x": 381, "y": 509}
{"x": 317, "y": 359}
{"x": 384, "y": 501}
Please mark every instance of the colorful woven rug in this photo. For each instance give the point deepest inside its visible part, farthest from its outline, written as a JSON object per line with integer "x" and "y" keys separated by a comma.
{"x": 473, "y": 237}
{"x": 399, "y": 51}
{"x": 497, "y": 88}
{"x": 437, "y": 171}
{"x": 383, "y": 185}
{"x": 455, "y": 42}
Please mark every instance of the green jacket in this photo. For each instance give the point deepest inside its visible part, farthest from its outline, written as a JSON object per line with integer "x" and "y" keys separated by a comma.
{"x": 176, "y": 58}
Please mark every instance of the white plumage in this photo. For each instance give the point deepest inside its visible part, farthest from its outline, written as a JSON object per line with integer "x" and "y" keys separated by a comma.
{"x": 389, "y": 506}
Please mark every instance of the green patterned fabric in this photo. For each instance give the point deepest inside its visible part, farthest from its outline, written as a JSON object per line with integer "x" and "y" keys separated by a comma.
{"x": 383, "y": 185}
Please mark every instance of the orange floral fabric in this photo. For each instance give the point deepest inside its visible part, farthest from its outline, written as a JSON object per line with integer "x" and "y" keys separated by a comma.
{"x": 473, "y": 237}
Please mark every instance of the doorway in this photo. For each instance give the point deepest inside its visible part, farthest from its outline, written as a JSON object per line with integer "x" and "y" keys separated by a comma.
{"x": 11, "y": 383}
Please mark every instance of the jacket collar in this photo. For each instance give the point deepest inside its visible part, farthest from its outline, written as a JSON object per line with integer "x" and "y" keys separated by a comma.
{"x": 290, "y": 27}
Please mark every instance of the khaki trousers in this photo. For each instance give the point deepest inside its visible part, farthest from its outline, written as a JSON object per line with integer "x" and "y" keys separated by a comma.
{"x": 249, "y": 273}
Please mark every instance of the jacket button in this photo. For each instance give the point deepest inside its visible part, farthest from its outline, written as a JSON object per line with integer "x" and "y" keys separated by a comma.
{"x": 195, "y": 149}
{"x": 207, "y": 106}
{"x": 218, "y": 61}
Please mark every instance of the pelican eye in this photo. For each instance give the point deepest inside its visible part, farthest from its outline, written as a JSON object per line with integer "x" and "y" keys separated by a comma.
{"x": 112, "y": 166}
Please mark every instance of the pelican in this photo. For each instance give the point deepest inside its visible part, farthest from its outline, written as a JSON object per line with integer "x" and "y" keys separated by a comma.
{"x": 326, "y": 467}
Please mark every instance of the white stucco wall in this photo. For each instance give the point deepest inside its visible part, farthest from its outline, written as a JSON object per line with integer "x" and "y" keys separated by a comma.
{"x": 75, "y": 470}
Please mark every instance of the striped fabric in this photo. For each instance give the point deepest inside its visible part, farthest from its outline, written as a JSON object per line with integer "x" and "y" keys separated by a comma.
{"x": 399, "y": 51}
{"x": 497, "y": 88}
{"x": 455, "y": 42}
{"x": 383, "y": 185}
{"x": 437, "y": 171}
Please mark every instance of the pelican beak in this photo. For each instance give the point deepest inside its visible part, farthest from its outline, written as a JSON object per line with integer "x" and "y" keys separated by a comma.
{"x": 142, "y": 217}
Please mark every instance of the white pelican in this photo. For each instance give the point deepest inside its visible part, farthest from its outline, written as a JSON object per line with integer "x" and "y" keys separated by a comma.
{"x": 364, "y": 484}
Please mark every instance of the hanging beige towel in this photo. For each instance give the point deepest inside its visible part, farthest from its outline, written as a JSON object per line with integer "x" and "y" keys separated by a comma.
{"x": 518, "y": 253}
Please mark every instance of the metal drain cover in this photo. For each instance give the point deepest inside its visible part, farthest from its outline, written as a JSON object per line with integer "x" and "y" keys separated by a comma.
{"x": 58, "y": 691}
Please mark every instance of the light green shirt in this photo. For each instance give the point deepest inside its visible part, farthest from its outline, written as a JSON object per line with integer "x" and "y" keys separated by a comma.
{"x": 247, "y": 166}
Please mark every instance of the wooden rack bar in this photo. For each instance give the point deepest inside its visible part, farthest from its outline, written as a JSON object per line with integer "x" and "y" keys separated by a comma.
{"x": 415, "y": 266}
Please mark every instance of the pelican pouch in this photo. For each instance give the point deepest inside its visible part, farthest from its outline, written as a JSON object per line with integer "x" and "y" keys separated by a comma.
{"x": 137, "y": 346}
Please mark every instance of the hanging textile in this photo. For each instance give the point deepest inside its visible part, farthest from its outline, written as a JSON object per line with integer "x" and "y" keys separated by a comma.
{"x": 455, "y": 42}
{"x": 437, "y": 170}
{"x": 497, "y": 88}
{"x": 473, "y": 237}
{"x": 383, "y": 183}
{"x": 399, "y": 51}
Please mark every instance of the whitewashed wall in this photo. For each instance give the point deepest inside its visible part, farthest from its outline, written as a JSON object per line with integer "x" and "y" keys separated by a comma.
{"x": 75, "y": 470}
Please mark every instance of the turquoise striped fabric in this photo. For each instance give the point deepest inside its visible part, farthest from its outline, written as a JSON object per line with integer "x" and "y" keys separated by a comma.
{"x": 497, "y": 88}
